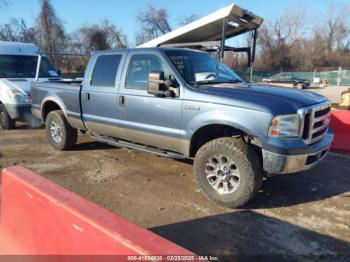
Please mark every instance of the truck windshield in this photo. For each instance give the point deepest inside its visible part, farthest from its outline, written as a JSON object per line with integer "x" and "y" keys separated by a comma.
{"x": 20, "y": 66}
{"x": 201, "y": 69}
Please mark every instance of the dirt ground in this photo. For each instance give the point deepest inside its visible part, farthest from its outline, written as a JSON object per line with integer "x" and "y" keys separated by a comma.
{"x": 301, "y": 214}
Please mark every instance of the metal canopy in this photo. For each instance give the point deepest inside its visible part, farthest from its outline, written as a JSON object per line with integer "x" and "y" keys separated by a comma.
{"x": 211, "y": 27}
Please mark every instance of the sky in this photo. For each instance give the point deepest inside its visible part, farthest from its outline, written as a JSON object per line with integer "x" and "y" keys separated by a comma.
{"x": 122, "y": 13}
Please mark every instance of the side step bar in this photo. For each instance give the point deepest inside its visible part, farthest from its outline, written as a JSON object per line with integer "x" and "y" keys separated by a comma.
{"x": 143, "y": 148}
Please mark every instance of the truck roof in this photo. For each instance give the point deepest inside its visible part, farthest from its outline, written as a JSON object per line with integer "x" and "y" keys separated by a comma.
{"x": 156, "y": 49}
{"x": 18, "y": 48}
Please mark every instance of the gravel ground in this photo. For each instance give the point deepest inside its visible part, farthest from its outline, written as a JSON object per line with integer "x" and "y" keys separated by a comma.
{"x": 302, "y": 214}
{"x": 333, "y": 93}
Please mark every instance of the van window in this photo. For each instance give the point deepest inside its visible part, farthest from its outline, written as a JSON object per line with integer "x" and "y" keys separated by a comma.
{"x": 21, "y": 66}
{"x": 105, "y": 70}
{"x": 140, "y": 66}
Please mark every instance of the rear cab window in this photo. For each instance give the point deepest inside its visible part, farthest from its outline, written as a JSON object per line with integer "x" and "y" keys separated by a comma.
{"x": 105, "y": 71}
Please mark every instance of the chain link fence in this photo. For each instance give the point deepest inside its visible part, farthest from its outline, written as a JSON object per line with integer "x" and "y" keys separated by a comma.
{"x": 335, "y": 77}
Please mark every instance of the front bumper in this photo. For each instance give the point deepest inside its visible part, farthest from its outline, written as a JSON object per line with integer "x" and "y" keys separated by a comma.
{"x": 279, "y": 163}
{"x": 282, "y": 164}
{"x": 18, "y": 111}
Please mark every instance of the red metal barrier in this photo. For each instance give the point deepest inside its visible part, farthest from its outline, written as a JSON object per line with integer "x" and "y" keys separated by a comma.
{"x": 340, "y": 123}
{"x": 40, "y": 217}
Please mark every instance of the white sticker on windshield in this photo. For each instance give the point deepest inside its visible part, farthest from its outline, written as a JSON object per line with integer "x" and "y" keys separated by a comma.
{"x": 53, "y": 73}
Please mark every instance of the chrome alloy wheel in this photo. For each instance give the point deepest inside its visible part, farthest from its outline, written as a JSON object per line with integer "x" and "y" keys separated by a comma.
{"x": 222, "y": 174}
{"x": 56, "y": 132}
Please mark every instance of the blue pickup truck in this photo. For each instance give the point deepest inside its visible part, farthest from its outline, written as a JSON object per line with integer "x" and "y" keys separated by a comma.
{"x": 184, "y": 104}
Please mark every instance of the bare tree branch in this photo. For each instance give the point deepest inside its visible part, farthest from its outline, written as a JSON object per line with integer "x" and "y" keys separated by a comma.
{"x": 188, "y": 19}
{"x": 154, "y": 22}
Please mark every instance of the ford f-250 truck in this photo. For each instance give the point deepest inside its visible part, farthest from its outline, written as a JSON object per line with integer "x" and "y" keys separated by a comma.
{"x": 183, "y": 103}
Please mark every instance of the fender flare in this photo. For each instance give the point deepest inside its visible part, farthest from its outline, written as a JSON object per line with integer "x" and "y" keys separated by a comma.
{"x": 56, "y": 101}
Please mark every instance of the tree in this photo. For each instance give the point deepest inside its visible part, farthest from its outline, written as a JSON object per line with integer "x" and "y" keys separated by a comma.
{"x": 295, "y": 42}
{"x": 51, "y": 30}
{"x": 17, "y": 31}
{"x": 154, "y": 22}
{"x": 188, "y": 19}
{"x": 327, "y": 48}
{"x": 336, "y": 27}
{"x": 99, "y": 37}
{"x": 91, "y": 38}
{"x": 280, "y": 40}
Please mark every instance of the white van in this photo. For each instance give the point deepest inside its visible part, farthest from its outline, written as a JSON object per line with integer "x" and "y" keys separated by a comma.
{"x": 20, "y": 64}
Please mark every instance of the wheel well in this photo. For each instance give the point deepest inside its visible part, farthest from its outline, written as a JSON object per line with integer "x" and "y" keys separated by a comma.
{"x": 48, "y": 107}
{"x": 210, "y": 132}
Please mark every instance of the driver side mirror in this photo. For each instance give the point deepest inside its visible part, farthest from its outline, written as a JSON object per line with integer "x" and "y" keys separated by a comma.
{"x": 158, "y": 86}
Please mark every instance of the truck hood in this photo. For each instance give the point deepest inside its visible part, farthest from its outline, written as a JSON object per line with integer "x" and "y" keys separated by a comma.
{"x": 21, "y": 84}
{"x": 280, "y": 100}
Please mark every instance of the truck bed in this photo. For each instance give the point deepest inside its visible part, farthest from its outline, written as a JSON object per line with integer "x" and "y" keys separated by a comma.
{"x": 65, "y": 93}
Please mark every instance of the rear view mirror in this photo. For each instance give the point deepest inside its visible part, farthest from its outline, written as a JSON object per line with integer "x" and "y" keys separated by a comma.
{"x": 158, "y": 86}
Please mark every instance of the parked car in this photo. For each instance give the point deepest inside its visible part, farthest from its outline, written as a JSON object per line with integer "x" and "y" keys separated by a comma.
{"x": 289, "y": 78}
{"x": 151, "y": 100}
{"x": 18, "y": 67}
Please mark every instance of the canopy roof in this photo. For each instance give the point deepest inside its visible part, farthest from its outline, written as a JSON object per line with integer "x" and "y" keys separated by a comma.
{"x": 210, "y": 27}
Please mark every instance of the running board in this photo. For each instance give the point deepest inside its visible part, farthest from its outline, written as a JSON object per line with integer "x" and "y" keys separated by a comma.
{"x": 143, "y": 148}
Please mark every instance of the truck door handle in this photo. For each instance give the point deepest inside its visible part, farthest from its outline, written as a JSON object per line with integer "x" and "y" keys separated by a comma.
{"x": 87, "y": 96}
{"x": 121, "y": 101}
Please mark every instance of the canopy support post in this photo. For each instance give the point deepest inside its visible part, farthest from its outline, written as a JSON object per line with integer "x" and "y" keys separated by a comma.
{"x": 223, "y": 39}
{"x": 252, "y": 59}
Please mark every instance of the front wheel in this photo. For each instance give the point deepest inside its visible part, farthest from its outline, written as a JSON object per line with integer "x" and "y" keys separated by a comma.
{"x": 59, "y": 132}
{"x": 6, "y": 122}
{"x": 228, "y": 171}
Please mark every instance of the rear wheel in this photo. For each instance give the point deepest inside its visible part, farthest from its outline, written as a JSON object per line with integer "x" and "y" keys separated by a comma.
{"x": 228, "y": 171}
{"x": 6, "y": 122}
{"x": 59, "y": 132}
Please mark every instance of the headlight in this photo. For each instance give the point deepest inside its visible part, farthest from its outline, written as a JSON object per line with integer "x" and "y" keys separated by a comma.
{"x": 17, "y": 96}
{"x": 285, "y": 126}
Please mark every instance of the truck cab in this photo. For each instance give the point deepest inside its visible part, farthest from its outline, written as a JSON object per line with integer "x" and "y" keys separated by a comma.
{"x": 19, "y": 66}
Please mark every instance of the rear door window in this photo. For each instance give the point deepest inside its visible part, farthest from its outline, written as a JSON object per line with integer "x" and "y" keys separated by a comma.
{"x": 105, "y": 70}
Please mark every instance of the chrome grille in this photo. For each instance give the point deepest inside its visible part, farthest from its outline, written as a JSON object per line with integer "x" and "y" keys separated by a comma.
{"x": 316, "y": 120}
